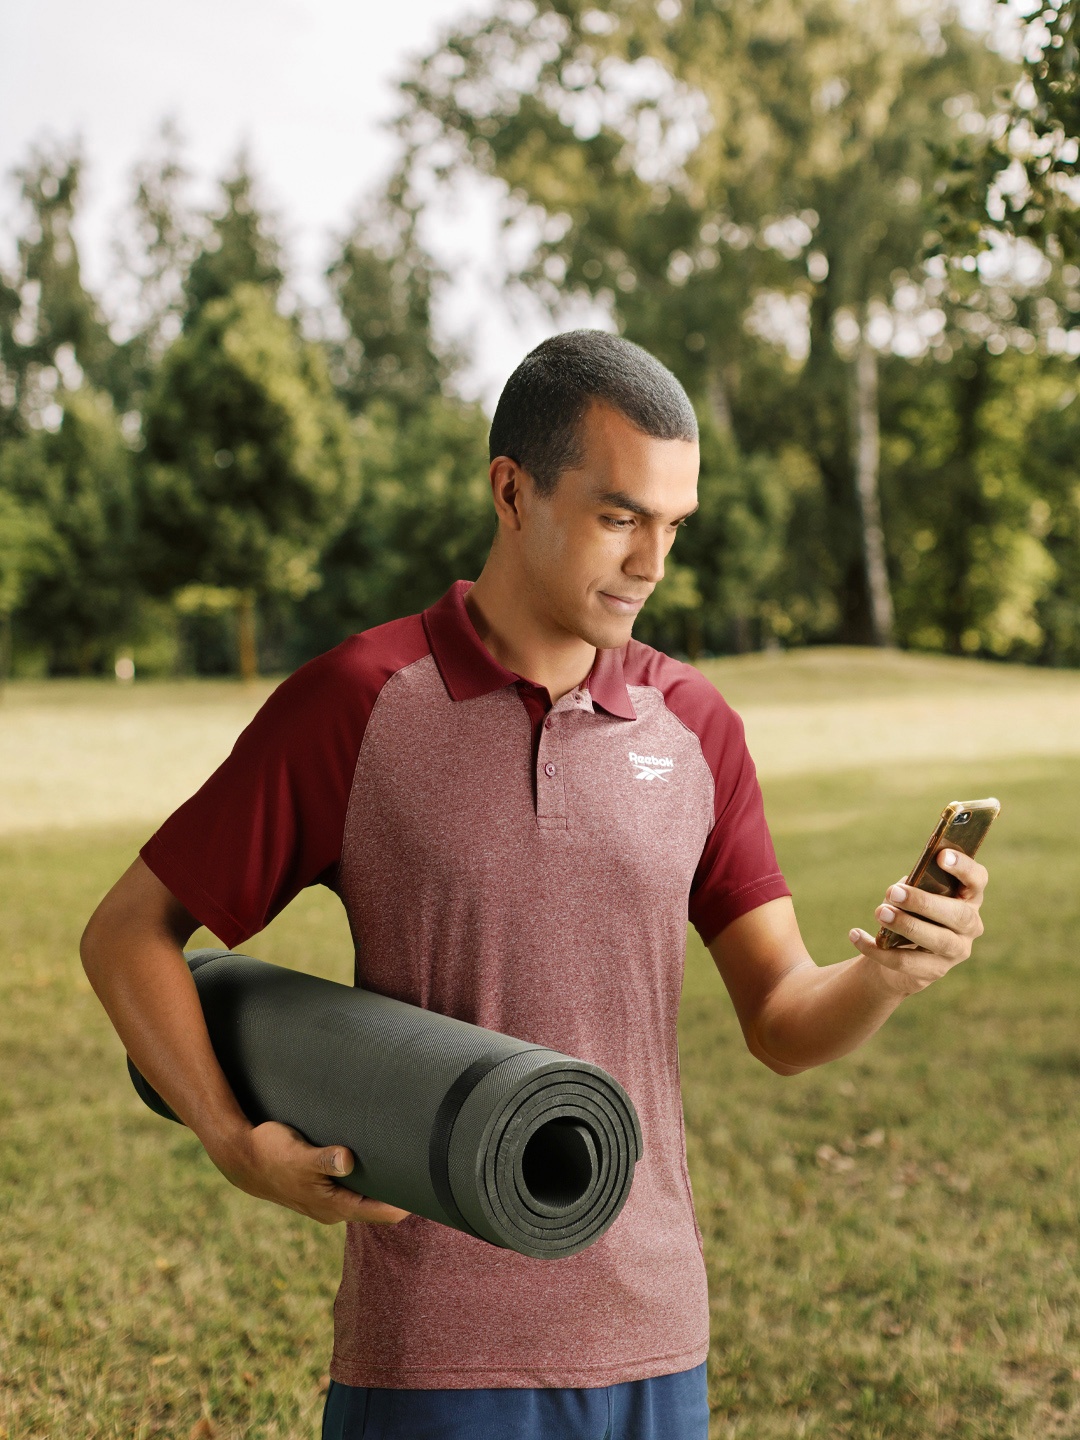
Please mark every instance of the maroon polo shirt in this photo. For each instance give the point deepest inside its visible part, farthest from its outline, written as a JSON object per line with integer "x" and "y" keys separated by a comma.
{"x": 523, "y": 866}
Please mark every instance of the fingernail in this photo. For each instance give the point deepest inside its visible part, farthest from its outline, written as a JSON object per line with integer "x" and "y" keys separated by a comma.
{"x": 949, "y": 857}
{"x": 886, "y": 913}
{"x": 853, "y": 936}
{"x": 338, "y": 1164}
{"x": 898, "y": 893}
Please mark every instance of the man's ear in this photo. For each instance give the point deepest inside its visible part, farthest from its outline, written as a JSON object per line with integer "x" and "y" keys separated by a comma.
{"x": 508, "y": 480}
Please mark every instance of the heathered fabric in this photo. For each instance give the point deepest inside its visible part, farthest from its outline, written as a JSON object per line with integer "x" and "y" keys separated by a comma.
{"x": 525, "y": 867}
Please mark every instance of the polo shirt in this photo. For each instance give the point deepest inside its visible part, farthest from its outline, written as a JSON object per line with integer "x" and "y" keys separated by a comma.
{"x": 524, "y": 866}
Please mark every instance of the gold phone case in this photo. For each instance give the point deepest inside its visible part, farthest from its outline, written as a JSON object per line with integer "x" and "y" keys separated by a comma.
{"x": 963, "y": 826}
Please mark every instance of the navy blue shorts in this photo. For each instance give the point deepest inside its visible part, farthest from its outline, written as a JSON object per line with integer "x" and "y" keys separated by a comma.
{"x": 669, "y": 1407}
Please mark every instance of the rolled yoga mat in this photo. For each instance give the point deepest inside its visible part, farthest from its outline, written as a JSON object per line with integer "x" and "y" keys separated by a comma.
{"x": 513, "y": 1143}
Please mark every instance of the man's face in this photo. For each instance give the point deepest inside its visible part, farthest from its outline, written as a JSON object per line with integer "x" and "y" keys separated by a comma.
{"x": 594, "y": 551}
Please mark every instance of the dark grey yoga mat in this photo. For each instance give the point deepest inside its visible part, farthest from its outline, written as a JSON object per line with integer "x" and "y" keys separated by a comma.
{"x": 513, "y": 1143}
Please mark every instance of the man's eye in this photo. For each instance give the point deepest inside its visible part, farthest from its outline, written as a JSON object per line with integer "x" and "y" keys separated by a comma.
{"x": 618, "y": 522}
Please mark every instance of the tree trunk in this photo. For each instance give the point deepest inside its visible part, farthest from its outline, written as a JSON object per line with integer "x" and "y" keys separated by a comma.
{"x": 5, "y": 650}
{"x": 718, "y": 402}
{"x": 967, "y": 511}
{"x": 693, "y": 634}
{"x": 867, "y": 448}
{"x": 245, "y": 637}
{"x": 829, "y": 420}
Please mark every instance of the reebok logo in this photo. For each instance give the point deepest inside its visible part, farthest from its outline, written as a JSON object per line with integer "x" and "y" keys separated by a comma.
{"x": 652, "y": 767}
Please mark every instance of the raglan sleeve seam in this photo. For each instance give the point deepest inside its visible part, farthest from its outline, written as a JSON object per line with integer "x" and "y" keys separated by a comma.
{"x": 270, "y": 820}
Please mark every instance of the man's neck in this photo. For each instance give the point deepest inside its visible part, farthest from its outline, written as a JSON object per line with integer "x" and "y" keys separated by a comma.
{"x": 520, "y": 638}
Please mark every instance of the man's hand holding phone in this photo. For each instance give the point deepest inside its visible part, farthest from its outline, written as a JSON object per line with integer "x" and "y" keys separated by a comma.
{"x": 937, "y": 931}
{"x": 795, "y": 1013}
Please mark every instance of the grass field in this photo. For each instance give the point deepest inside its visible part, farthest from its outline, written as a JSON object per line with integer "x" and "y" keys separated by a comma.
{"x": 892, "y": 1240}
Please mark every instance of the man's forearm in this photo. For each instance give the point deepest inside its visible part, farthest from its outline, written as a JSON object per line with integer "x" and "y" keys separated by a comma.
{"x": 139, "y": 973}
{"x": 796, "y": 1014}
{"x": 818, "y": 1013}
{"x": 133, "y": 954}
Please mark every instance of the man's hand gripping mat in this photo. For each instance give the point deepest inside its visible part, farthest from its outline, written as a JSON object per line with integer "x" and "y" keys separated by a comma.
{"x": 513, "y": 1143}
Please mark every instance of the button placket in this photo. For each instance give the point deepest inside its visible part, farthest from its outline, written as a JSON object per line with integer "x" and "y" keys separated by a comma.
{"x": 550, "y": 790}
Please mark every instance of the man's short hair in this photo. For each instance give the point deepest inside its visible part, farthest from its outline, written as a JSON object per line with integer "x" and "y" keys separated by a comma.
{"x": 540, "y": 411}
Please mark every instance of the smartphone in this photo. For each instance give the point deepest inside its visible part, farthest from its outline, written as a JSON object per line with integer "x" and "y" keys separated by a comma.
{"x": 963, "y": 826}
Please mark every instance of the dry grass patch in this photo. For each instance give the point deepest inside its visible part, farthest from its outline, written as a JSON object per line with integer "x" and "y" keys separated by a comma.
{"x": 75, "y": 754}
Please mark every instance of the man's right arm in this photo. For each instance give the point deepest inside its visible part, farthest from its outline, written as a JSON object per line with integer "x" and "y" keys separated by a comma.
{"x": 132, "y": 951}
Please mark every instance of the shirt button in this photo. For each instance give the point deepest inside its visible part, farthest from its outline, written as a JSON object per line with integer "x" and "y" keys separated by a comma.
{"x": 548, "y": 723}
{"x": 549, "y": 769}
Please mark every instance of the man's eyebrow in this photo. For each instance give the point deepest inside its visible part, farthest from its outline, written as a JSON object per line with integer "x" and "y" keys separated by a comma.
{"x": 619, "y": 500}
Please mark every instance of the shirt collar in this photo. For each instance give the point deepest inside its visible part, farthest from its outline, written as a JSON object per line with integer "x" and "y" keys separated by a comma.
{"x": 468, "y": 670}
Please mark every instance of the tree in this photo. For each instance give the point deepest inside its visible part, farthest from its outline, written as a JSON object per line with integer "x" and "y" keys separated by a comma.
{"x": 65, "y": 478}
{"x": 423, "y": 516}
{"x": 698, "y": 169}
{"x": 423, "y": 519}
{"x": 1043, "y": 134}
{"x": 1052, "y": 162}
{"x": 969, "y": 508}
{"x": 24, "y": 538}
{"x": 239, "y": 249}
{"x": 1018, "y": 174}
{"x": 1052, "y": 62}
{"x": 46, "y": 313}
{"x": 249, "y": 462}
{"x": 52, "y": 332}
{"x": 1051, "y": 451}
{"x": 72, "y": 581}
{"x": 383, "y": 282}
{"x": 156, "y": 253}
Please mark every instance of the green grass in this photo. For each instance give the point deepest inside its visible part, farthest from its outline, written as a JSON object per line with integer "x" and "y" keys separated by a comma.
{"x": 892, "y": 1240}
{"x": 918, "y": 1276}
{"x": 139, "y": 1294}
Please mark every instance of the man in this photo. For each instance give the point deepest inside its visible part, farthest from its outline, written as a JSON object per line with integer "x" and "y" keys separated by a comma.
{"x": 519, "y": 806}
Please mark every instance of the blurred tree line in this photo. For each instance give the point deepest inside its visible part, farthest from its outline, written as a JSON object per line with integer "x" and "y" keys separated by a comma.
{"x": 850, "y": 230}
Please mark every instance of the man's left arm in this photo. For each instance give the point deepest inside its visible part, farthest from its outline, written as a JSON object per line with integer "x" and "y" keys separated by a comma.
{"x": 796, "y": 1014}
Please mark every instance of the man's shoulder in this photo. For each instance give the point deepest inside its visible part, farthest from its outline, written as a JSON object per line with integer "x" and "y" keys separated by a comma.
{"x": 687, "y": 692}
{"x": 337, "y": 690}
{"x": 376, "y": 654}
{"x": 364, "y": 661}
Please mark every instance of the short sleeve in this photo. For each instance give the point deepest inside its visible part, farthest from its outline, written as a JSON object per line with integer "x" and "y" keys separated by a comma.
{"x": 270, "y": 820}
{"x": 738, "y": 870}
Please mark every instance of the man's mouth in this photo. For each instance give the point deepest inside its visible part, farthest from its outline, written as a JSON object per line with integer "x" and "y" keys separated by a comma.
{"x": 624, "y": 604}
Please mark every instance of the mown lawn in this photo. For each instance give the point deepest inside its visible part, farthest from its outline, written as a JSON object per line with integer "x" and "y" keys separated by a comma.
{"x": 892, "y": 1241}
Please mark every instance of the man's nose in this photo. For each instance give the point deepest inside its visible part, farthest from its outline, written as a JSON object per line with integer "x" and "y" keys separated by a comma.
{"x": 646, "y": 560}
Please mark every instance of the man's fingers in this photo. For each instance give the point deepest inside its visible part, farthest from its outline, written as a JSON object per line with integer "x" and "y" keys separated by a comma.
{"x": 377, "y": 1212}
{"x": 938, "y": 939}
{"x": 334, "y": 1160}
{"x": 341, "y": 1204}
{"x": 938, "y": 929}
{"x": 338, "y": 1203}
{"x": 959, "y": 915}
{"x": 973, "y": 875}
{"x": 867, "y": 945}
{"x": 280, "y": 1165}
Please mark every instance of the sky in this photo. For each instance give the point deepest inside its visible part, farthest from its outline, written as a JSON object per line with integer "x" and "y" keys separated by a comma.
{"x": 304, "y": 84}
